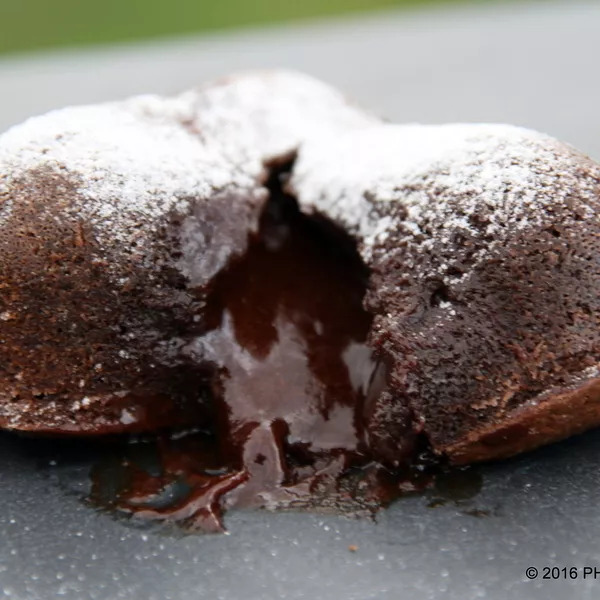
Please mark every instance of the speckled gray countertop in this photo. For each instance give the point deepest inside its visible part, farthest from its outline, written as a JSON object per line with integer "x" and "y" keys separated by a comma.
{"x": 533, "y": 65}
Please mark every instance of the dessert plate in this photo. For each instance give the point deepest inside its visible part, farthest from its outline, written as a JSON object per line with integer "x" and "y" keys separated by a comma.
{"x": 477, "y": 533}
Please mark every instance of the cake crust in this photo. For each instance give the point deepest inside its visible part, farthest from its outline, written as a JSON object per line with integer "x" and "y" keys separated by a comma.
{"x": 483, "y": 246}
{"x": 555, "y": 415}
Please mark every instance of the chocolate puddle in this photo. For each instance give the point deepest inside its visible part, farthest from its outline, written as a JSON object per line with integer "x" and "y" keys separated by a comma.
{"x": 285, "y": 335}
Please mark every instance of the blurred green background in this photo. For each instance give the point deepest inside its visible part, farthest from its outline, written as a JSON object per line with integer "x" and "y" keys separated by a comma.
{"x": 35, "y": 24}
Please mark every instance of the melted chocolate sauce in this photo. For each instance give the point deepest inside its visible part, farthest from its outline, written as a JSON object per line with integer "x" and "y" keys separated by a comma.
{"x": 285, "y": 335}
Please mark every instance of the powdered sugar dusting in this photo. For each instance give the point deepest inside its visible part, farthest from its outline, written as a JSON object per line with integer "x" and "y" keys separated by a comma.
{"x": 129, "y": 157}
{"x": 131, "y": 164}
{"x": 398, "y": 180}
{"x": 134, "y": 162}
{"x": 267, "y": 114}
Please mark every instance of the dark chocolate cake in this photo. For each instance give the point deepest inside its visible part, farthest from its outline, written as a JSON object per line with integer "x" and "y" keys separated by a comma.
{"x": 322, "y": 294}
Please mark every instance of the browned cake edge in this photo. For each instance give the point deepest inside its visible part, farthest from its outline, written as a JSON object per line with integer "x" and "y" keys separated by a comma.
{"x": 552, "y": 416}
{"x": 105, "y": 414}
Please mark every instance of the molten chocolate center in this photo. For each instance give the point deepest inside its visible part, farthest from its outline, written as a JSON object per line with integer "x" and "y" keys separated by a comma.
{"x": 285, "y": 336}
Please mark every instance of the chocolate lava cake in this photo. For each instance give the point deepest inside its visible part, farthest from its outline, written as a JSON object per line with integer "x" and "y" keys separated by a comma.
{"x": 322, "y": 292}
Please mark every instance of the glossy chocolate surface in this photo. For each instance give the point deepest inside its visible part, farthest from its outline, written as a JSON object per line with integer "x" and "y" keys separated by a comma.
{"x": 284, "y": 333}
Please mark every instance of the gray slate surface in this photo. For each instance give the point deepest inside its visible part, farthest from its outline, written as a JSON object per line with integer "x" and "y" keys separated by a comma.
{"x": 533, "y": 65}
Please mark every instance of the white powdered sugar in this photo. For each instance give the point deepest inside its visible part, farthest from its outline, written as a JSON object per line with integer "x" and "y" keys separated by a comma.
{"x": 147, "y": 153}
{"x": 267, "y": 114}
{"x": 445, "y": 174}
{"x": 131, "y": 165}
{"x": 129, "y": 158}
{"x": 133, "y": 162}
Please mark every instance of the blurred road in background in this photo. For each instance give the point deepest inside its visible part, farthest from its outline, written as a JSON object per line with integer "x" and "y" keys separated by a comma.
{"x": 529, "y": 64}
